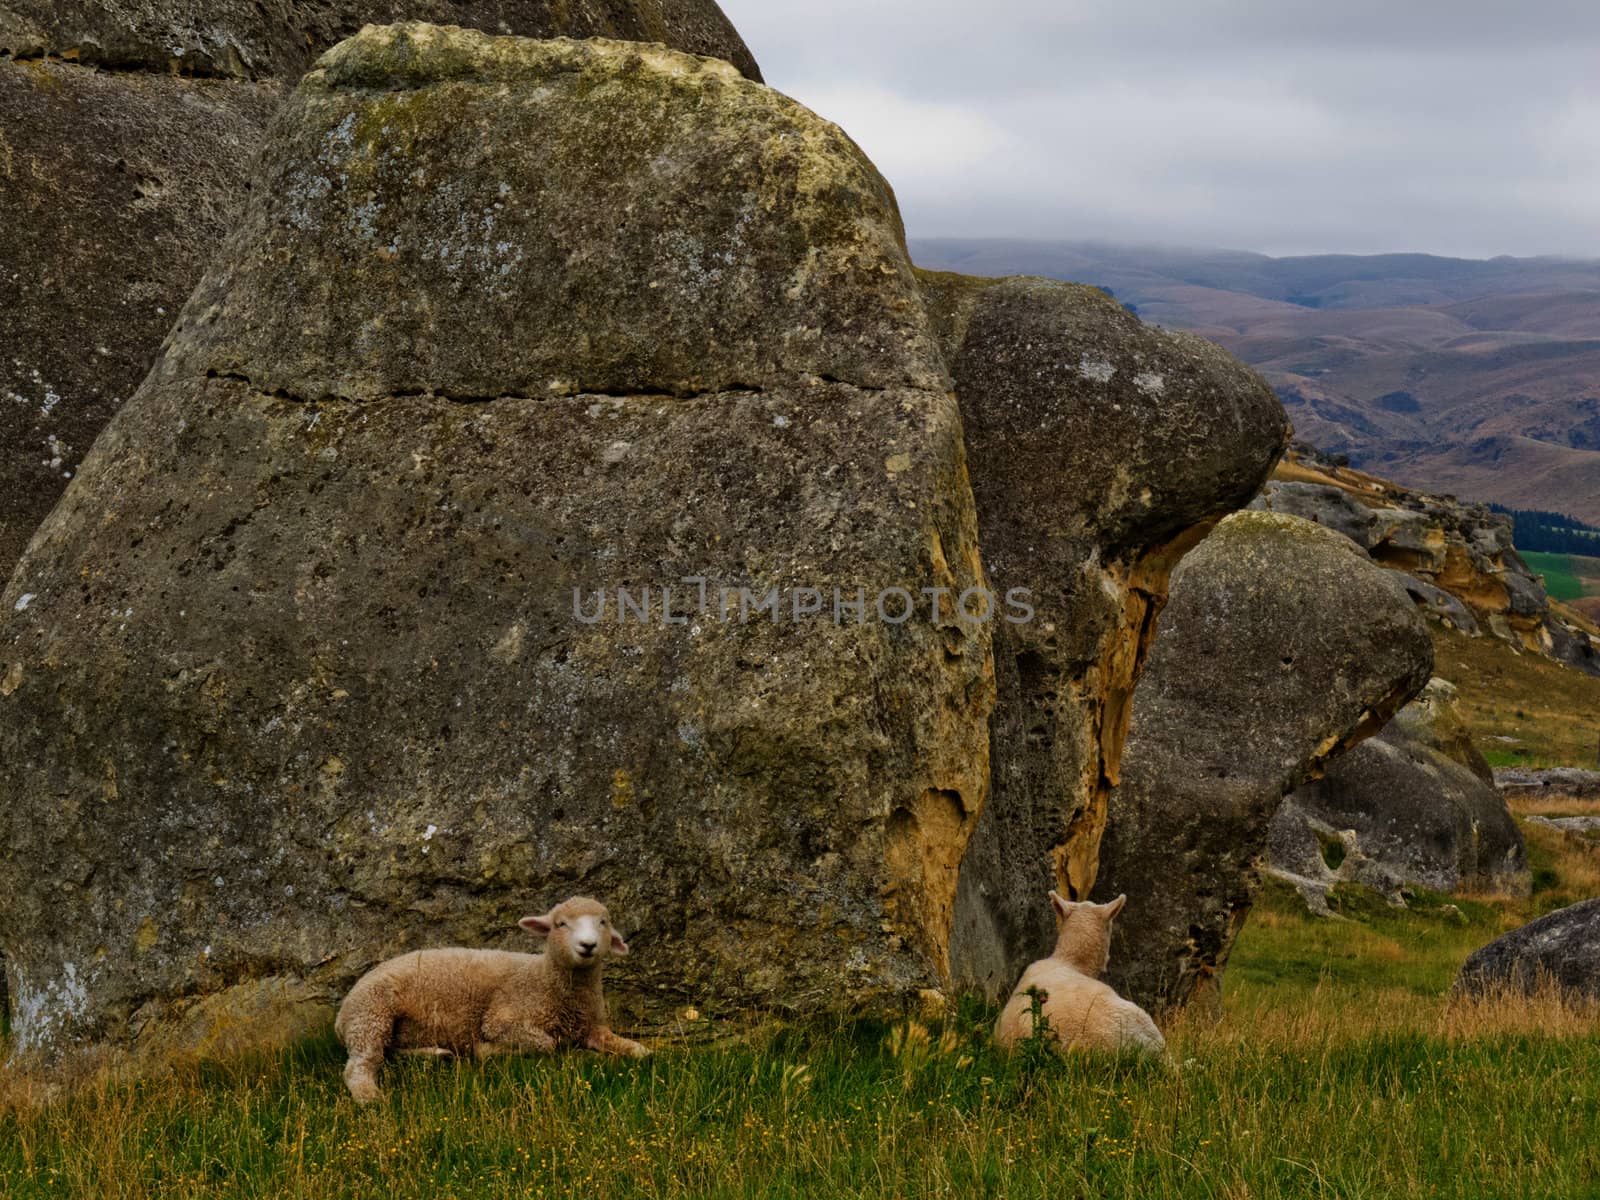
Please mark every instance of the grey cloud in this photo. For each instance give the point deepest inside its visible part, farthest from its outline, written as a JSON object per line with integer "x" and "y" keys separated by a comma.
{"x": 1458, "y": 127}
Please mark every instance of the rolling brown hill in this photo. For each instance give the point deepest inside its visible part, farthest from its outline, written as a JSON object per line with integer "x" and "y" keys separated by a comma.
{"x": 1479, "y": 378}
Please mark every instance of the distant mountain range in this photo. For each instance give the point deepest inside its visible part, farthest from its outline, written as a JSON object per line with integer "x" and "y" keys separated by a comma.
{"x": 1479, "y": 378}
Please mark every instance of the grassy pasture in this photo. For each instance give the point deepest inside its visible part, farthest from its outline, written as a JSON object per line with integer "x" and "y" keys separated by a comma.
{"x": 1522, "y": 709}
{"x": 1339, "y": 1069}
{"x": 1561, "y": 578}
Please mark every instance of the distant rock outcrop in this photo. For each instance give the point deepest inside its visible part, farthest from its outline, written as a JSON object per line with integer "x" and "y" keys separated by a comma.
{"x": 122, "y": 172}
{"x": 1420, "y": 803}
{"x": 1561, "y": 949}
{"x": 1100, "y": 449}
{"x": 1457, "y": 559}
{"x": 1548, "y": 781}
{"x": 1282, "y": 645}
{"x": 325, "y": 653}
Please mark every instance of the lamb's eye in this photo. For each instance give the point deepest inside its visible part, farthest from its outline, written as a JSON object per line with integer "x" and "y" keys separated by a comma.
{"x": 603, "y": 921}
{"x": 561, "y": 924}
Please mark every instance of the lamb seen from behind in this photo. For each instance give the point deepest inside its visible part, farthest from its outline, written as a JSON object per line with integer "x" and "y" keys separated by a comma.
{"x": 1079, "y": 1011}
{"x": 485, "y": 1002}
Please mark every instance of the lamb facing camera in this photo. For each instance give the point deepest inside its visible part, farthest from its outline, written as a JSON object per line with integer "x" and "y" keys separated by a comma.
{"x": 456, "y": 1001}
{"x": 1079, "y": 1011}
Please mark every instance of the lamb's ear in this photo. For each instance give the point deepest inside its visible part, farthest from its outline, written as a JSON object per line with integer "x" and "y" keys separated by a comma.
{"x": 536, "y": 925}
{"x": 1060, "y": 903}
{"x": 1111, "y": 910}
{"x": 618, "y": 946}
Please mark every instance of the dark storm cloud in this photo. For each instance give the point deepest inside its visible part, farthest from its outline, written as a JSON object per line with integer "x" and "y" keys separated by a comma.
{"x": 1459, "y": 127}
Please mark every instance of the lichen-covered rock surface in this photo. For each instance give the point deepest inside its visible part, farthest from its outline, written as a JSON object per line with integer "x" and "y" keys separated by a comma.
{"x": 1100, "y": 450}
{"x": 1420, "y": 801}
{"x": 244, "y": 39}
{"x": 1282, "y": 645}
{"x": 114, "y": 191}
{"x": 120, "y": 174}
{"x": 294, "y": 674}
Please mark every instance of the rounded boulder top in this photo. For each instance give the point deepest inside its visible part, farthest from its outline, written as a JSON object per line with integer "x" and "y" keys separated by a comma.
{"x": 241, "y": 39}
{"x": 630, "y": 218}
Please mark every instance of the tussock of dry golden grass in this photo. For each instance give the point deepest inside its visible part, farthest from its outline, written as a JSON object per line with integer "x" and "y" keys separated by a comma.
{"x": 1569, "y": 866}
{"x": 1548, "y": 1012}
{"x": 1553, "y": 806}
{"x": 1546, "y": 709}
{"x": 1325, "y": 1017}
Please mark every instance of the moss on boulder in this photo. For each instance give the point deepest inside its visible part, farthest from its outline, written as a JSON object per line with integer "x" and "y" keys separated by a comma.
{"x": 120, "y": 174}
{"x": 246, "y": 40}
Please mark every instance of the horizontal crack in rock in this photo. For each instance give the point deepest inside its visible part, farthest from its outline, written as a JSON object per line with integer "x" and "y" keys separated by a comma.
{"x": 131, "y": 67}
{"x": 461, "y": 398}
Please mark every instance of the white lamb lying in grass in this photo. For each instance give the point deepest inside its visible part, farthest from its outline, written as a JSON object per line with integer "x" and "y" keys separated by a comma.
{"x": 486, "y": 1002}
{"x": 1081, "y": 1012}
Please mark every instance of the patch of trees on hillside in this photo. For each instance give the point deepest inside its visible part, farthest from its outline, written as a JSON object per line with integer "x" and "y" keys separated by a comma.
{"x": 1550, "y": 532}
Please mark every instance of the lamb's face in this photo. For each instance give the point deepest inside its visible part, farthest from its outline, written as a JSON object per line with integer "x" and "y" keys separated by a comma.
{"x": 578, "y": 933}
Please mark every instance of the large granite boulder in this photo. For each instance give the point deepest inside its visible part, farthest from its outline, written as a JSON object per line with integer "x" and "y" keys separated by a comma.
{"x": 1282, "y": 645}
{"x": 324, "y": 653}
{"x": 100, "y": 247}
{"x": 1561, "y": 949}
{"x": 1100, "y": 449}
{"x": 1421, "y": 804}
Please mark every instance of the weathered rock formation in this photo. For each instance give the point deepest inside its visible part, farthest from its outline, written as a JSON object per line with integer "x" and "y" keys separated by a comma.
{"x": 1100, "y": 450}
{"x": 1572, "y": 782}
{"x": 1420, "y": 803}
{"x": 1282, "y": 645}
{"x": 1457, "y": 559}
{"x": 309, "y": 664}
{"x": 1583, "y": 830}
{"x": 100, "y": 246}
{"x": 1560, "y": 949}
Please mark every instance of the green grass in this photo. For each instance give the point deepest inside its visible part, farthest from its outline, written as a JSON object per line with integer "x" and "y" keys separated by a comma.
{"x": 1560, "y": 579}
{"x": 1522, "y": 709}
{"x": 1338, "y": 1069}
{"x": 834, "y": 1113}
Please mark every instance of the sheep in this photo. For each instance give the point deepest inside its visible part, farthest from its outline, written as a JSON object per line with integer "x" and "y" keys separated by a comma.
{"x": 1080, "y": 1011}
{"x": 455, "y": 1001}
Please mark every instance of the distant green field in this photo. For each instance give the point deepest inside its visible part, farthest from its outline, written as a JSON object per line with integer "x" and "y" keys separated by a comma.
{"x": 1561, "y": 575}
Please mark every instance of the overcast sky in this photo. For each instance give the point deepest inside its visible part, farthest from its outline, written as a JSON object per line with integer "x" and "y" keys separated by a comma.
{"x": 1467, "y": 127}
